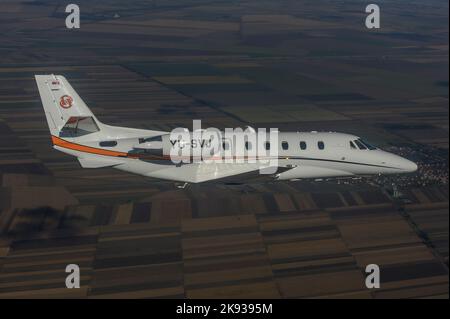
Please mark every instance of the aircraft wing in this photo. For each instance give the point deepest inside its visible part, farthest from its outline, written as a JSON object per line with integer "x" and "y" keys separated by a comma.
{"x": 253, "y": 176}
{"x": 198, "y": 173}
{"x": 97, "y": 162}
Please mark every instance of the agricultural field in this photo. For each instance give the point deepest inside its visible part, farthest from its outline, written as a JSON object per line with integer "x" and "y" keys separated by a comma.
{"x": 293, "y": 65}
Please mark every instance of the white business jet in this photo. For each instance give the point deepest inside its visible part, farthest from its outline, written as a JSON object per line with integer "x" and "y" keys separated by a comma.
{"x": 299, "y": 155}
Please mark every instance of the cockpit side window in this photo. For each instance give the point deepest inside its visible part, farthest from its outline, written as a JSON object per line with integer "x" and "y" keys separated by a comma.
{"x": 352, "y": 145}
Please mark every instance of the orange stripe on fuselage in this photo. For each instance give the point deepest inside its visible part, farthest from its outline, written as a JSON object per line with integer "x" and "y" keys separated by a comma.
{"x": 99, "y": 151}
{"x": 86, "y": 149}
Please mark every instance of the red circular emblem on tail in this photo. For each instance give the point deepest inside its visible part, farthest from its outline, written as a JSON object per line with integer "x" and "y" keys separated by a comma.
{"x": 66, "y": 101}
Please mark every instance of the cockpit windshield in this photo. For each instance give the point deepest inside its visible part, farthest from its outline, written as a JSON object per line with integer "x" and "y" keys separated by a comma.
{"x": 369, "y": 146}
{"x": 362, "y": 145}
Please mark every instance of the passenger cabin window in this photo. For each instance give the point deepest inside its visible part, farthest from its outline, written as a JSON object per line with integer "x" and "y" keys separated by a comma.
{"x": 320, "y": 145}
{"x": 303, "y": 145}
{"x": 108, "y": 143}
{"x": 284, "y": 145}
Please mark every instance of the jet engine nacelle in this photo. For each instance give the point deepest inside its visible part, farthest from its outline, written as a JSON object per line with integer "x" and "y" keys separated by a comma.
{"x": 155, "y": 145}
{"x": 163, "y": 145}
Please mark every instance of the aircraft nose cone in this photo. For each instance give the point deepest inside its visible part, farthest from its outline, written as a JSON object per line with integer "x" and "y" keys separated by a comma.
{"x": 409, "y": 166}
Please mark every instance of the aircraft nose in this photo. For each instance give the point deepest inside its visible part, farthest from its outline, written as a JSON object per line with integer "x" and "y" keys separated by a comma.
{"x": 408, "y": 166}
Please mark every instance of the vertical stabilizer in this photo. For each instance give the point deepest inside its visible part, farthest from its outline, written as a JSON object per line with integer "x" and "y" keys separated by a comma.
{"x": 62, "y": 105}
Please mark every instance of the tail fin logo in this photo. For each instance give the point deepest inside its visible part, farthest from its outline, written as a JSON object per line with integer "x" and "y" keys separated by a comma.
{"x": 66, "y": 101}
